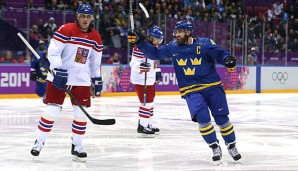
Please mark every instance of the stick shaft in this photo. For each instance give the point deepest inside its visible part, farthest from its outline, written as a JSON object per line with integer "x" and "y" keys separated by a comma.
{"x": 145, "y": 79}
{"x": 144, "y": 10}
{"x": 28, "y": 45}
{"x": 132, "y": 26}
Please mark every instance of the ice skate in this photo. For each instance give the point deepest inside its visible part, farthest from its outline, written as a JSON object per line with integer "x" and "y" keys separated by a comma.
{"x": 233, "y": 151}
{"x": 217, "y": 154}
{"x": 78, "y": 154}
{"x": 36, "y": 148}
{"x": 154, "y": 129}
{"x": 145, "y": 132}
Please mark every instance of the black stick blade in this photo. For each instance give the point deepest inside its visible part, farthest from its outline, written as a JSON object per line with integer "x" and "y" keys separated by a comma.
{"x": 103, "y": 121}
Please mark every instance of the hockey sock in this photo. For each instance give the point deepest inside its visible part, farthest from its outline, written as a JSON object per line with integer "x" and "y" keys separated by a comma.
{"x": 151, "y": 116}
{"x": 46, "y": 122}
{"x": 44, "y": 127}
{"x": 226, "y": 128}
{"x": 144, "y": 115}
{"x": 208, "y": 132}
{"x": 78, "y": 131}
{"x": 79, "y": 125}
{"x": 227, "y": 132}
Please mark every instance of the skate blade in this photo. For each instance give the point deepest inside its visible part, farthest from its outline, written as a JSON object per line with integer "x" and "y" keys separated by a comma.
{"x": 157, "y": 133}
{"x": 78, "y": 159}
{"x": 218, "y": 162}
{"x": 238, "y": 161}
{"x": 141, "y": 135}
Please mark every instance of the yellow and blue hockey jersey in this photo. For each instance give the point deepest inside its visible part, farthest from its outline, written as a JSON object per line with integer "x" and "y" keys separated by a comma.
{"x": 194, "y": 63}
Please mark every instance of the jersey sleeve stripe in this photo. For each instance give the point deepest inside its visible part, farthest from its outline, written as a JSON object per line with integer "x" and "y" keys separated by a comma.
{"x": 60, "y": 36}
{"x": 97, "y": 46}
{"x": 59, "y": 39}
{"x": 84, "y": 44}
{"x": 138, "y": 53}
{"x": 138, "y": 56}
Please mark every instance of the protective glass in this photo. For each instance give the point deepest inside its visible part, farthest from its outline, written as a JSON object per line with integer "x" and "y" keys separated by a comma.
{"x": 178, "y": 31}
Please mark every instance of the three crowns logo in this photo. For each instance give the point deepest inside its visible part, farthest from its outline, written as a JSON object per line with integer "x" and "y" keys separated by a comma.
{"x": 189, "y": 71}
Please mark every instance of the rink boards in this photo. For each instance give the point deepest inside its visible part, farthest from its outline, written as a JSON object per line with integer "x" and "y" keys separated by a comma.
{"x": 15, "y": 80}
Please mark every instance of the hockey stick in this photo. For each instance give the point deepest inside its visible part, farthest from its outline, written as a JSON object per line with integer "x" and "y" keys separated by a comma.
{"x": 132, "y": 26}
{"x": 145, "y": 79}
{"x": 93, "y": 120}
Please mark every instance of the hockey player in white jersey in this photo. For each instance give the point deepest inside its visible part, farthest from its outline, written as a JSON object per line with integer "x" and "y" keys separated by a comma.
{"x": 138, "y": 68}
{"x": 75, "y": 53}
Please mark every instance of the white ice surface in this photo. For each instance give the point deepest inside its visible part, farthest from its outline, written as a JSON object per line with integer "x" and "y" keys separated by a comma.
{"x": 266, "y": 129}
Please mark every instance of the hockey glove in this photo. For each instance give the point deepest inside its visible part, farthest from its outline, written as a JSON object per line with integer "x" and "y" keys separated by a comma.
{"x": 144, "y": 67}
{"x": 60, "y": 78}
{"x": 134, "y": 37}
{"x": 96, "y": 86}
{"x": 230, "y": 63}
{"x": 33, "y": 75}
{"x": 157, "y": 75}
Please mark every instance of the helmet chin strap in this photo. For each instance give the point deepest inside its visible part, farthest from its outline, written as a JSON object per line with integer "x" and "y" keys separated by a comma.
{"x": 149, "y": 40}
{"x": 187, "y": 37}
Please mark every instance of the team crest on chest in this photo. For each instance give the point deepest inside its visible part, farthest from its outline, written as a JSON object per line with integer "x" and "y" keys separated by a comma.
{"x": 81, "y": 56}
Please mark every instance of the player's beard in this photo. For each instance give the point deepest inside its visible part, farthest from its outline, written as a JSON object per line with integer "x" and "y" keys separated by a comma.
{"x": 182, "y": 41}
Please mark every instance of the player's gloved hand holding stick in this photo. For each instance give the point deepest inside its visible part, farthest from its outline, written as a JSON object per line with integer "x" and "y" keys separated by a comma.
{"x": 33, "y": 75}
{"x": 157, "y": 75}
{"x": 134, "y": 37}
{"x": 60, "y": 78}
{"x": 144, "y": 67}
{"x": 96, "y": 86}
{"x": 230, "y": 63}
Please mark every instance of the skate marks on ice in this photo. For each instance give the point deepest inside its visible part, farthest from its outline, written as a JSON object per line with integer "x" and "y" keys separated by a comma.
{"x": 265, "y": 126}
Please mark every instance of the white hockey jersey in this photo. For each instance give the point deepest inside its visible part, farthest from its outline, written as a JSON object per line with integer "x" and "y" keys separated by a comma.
{"x": 135, "y": 76}
{"x": 78, "y": 52}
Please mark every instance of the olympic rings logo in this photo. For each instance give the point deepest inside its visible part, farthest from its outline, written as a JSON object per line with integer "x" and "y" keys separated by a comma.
{"x": 279, "y": 77}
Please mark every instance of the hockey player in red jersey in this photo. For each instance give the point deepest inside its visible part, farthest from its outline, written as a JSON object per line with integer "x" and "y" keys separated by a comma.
{"x": 138, "y": 68}
{"x": 194, "y": 60}
{"x": 75, "y": 53}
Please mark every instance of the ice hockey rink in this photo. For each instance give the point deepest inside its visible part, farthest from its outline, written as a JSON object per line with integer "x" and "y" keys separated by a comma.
{"x": 265, "y": 124}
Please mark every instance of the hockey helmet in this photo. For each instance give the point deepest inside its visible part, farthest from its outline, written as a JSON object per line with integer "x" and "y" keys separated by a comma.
{"x": 157, "y": 35}
{"x": 184, "y": 25}
{"x": 156, "y": 32}
{"x": 85, "y": 9}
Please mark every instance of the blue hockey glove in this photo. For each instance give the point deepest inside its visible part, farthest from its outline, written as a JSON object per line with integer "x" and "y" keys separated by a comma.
{"x": 134, "y": 37}
{"x": 60, "y": 78}
{"x": 144, "y": 67}
{"x": 96, "y": 86}
{"x": 33, "y": 75}
{"x": 230, "y": 63}
{"x": 157, "y": 75}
